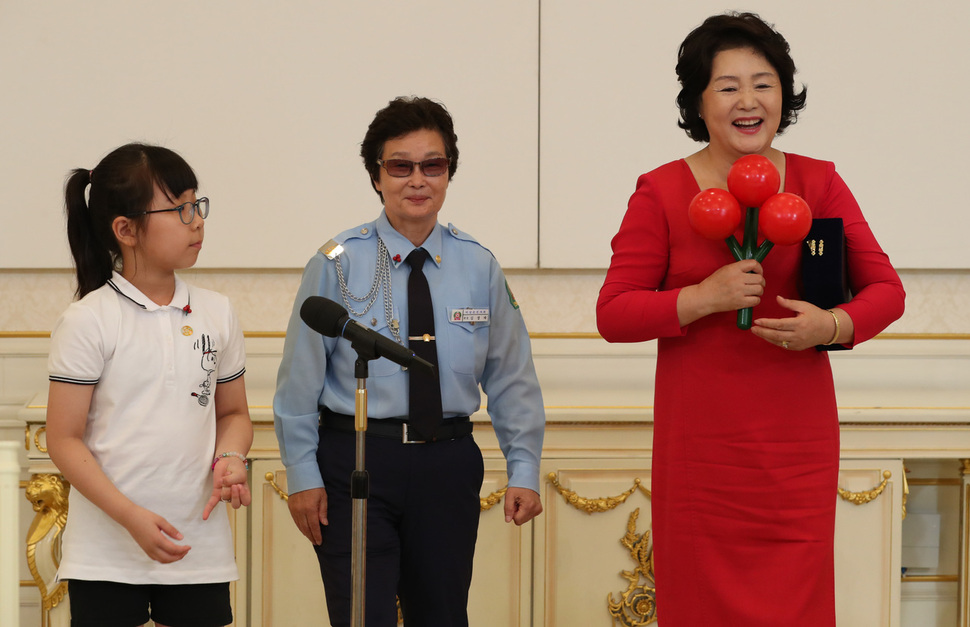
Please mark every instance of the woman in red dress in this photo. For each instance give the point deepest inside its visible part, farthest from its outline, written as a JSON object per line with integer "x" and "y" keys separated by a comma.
{"x": 746, "y": 433}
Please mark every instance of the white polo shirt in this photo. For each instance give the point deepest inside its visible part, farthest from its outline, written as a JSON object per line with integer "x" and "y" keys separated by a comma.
{"x": 151, "y": 426}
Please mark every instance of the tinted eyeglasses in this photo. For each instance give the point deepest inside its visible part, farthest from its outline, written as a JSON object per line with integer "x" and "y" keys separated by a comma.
{"x": 186, "y": 210}
{"x": 400, "y": 168}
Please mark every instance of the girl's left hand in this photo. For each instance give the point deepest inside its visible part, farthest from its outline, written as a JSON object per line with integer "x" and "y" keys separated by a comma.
{"x": 230, "y": 483}
{"x": 809, "y": 327}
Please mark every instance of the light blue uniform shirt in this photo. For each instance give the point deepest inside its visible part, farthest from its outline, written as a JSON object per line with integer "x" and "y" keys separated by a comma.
{"x": 318, "y": 371}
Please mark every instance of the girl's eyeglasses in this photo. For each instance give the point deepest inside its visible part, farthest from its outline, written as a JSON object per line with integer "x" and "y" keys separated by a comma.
{"x": 186, "y": 210}
{"x": 400, "y": 168}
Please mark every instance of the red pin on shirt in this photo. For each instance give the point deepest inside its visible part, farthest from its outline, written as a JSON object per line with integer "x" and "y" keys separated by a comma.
{"x": 752, "y": 181}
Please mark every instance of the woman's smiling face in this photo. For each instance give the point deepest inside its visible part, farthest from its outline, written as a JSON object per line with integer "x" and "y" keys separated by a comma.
{"x": 742, "y": 103}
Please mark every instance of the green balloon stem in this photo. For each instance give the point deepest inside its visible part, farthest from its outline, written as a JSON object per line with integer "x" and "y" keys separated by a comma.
{"x": 745, "y": 316}
{"x": 763, "y": 250}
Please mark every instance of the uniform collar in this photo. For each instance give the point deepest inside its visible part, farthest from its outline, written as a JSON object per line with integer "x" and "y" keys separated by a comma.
{"x": 181, "y": 299}
{"x": 399, "y": 247}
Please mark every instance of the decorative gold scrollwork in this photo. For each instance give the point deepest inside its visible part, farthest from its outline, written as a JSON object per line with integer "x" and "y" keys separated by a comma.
{"x": 486, "y": 503}
{"x": 866, "y": 496}
{"x": 271, "y": 480}
{"x": 637, "y": 606}
{"x": 40, "y": 431}
{"x": 47, "y": 494}
{"x": 492, "y": 499}
{"x": 905, "y": 492}
{"x": 595, "y": 505}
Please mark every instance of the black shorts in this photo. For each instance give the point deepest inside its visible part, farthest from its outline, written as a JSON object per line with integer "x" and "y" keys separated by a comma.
{"x": 112, "y": 604}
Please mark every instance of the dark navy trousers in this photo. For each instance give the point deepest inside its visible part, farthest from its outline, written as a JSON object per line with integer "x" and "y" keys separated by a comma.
{"x": 422, "y": 522}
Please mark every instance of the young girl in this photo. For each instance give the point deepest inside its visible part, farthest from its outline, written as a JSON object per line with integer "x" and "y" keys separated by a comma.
{"x": 147, "y": 416}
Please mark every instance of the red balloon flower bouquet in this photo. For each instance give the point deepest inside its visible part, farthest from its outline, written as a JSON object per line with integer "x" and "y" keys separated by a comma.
{"x": 753, "y": 181}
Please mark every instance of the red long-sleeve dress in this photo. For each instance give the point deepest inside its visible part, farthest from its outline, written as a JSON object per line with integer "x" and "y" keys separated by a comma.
{"x": 746, "y": 434}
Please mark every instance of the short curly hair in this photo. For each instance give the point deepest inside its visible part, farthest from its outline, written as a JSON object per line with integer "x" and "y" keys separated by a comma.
{"x": 402, "y": 116}
{"x": 730, "y": 31}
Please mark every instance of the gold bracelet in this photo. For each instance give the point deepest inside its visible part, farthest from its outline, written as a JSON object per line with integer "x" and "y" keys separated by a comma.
{"x": 837, "y": 329}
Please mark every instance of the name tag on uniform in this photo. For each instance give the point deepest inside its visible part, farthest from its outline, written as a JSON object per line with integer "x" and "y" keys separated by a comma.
{"x": 468, "y": 314}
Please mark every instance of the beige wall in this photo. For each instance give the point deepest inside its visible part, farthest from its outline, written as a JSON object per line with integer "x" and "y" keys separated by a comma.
{"x": 553, "y": 301}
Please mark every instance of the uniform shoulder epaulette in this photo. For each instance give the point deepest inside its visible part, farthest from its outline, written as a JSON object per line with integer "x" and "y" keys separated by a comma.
{"x": 462, "y": 236}
{"x": 334, "y": 247}
{"x": 457, "y": 233}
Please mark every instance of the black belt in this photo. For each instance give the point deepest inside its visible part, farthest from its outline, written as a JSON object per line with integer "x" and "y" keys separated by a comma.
{"x": 395, "y": 428}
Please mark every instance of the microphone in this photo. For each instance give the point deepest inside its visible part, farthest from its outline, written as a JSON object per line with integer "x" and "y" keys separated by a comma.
{"x": 328, "y": 318}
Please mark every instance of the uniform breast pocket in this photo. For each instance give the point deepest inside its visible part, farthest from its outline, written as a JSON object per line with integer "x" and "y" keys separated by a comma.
{"x": 467, "y": 340}
{"x": 382, "y": 367}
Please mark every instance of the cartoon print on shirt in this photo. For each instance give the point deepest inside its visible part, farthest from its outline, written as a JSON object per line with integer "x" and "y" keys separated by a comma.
{"x": 204, "y": 344}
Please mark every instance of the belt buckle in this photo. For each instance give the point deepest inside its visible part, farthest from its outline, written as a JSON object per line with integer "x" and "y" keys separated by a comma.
{"x": 406, "y": 436}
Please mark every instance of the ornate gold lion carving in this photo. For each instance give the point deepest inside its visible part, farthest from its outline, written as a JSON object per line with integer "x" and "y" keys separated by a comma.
{"x": 637, "y": 606}
{"x": 47, "y": 494}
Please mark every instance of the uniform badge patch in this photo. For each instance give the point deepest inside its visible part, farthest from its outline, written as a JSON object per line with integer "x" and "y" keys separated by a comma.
{"x": 512, "y": 301}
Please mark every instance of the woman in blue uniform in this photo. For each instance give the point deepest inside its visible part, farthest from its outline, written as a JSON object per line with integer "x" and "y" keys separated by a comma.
{"x": 425, "y": 468}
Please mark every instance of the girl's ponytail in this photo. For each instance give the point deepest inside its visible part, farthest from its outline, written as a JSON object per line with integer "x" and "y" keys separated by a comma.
{"x": 93, "y": 245}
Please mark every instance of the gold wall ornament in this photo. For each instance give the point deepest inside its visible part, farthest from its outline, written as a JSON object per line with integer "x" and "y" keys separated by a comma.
{"x": 40, "y": 431}
{"x": 492, "y": 499}
{"x": 271, "y": 480}
{"x": 866, "y": 496}
{"x": 47, "y": 494}
{"x": 594, "y": 505}
{"x": 905, "y": 491}
{"x": 637, "y": 605}
{"x": 486, "y": 503}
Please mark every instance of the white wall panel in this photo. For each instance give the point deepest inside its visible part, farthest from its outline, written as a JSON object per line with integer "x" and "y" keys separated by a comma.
{"x": 269, "y": 103}
{"x": 883, "y": 82}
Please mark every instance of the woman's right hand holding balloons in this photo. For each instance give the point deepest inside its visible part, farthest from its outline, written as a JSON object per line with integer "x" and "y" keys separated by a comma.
{"x": 731, "y": 287}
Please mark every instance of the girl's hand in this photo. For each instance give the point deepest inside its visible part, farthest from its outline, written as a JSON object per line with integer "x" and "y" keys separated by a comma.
{"x": 152, "y": 533}
{"x": 809, "y": 327}
{"x": 230, "y": 483}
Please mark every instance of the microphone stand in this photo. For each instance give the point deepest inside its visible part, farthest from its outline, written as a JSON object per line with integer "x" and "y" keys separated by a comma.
{"x": 359, "y": 488}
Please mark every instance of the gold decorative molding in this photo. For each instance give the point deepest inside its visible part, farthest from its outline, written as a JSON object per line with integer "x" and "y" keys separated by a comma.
{"x": 866, "y": 496}
{"x": 48, "y": 494}
{"x": 905, "y": 492}
{"x": 486, "y": 503}
{"x": 15, "y": 335}
{"x": 595, "y": 505}
{"x": 637, "y": 605}
{"x": 271, "y": 480}
{"x": 964, "y": 467}
{"x": 492, "y": 499}
{"x": 932, "y": 578}
{"x": 40, "y": 431}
